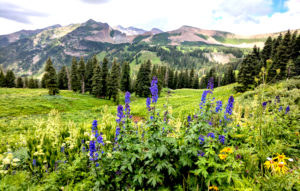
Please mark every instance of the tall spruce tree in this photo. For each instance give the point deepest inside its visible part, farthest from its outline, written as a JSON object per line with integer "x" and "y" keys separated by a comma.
{"x": 90, "y": 66}
{"x": 175, "y": 83}
{"x": 20, "y": 83}
{"x": 170, "y": 78}
{"x": 51, "y": 82}
{"x": 267, "y": 51}
{"x": 10, "y": 79}
{"x": 31, "y": 84}
{"x": 36, "y": 83}
{"x": 196, "y": 82}
{"x": 63, "y": 79}
{"x": 125, "y": 78}
{"x": 143, "y": 80}
{"x": 81, "y": 74}
{"x": 114, "y": 82}
{"x": 282, "y": 56}
{"x": 96, "y": 81}
{"x": 246, "y": 74}
{"x": 191, "y": 78}
{"x": 2, "y": 78}
{"x": 26, "y": 82}
{"x": 104, "y": 78}
{"x": 75, "y": 81}
{"x": 229, "y": 76}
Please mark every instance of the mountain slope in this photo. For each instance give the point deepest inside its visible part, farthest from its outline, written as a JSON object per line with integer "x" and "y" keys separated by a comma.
{"x": 26, "y": 51}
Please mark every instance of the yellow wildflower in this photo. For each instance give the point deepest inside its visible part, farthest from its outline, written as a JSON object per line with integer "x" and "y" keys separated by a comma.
{"x": 226, "y": 150}
{"x": 1, "y": 157}
{"x": 281, "y": 168}
{"x": 281, "y": 157}
{"x": 215, "y": 188}
{"x": 6, "y": 161}
{"x": 16, "y": 160}
{"x": 270, "y": 164}
{"x": 223, "y": 156}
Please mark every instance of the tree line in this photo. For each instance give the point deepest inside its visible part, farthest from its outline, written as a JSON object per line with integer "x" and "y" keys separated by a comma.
{"x": 9, "y": 80}
{"x": 279, "y": 59}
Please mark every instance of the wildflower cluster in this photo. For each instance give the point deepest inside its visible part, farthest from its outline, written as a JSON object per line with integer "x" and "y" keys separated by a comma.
{"x": 278, "y": 164}
{"x": 224, "y": 153}
{"x": 229, "y": 107}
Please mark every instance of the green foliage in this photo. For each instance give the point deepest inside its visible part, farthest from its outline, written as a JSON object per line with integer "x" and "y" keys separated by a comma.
{"x": 9, "y": 80}
{"x": 75, "y": 81}
{"x": 20, "y": 83}
{"x": 104, "y": 78}
{"x": 63, "y": 79}
{"x": 51, "y": 81}
{"x": 113, "y": 84}
{"x": 125, "y": 78}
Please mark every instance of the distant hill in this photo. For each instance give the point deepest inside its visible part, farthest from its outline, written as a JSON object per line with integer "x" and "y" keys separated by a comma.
{"x": 26, "y": 51}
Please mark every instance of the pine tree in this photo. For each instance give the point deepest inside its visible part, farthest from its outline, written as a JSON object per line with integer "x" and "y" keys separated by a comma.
{"x": 63, "y": 79}
{"x": 275, "y": 44}
{"x": 267, "y": 51}
{"x": 75, "y": 81}
{"x": 43, "y": 82}
{"x": 125, "y": 79}
{"x": 81, "y": 75}
{"x": 26, "y": 82}
{"x": 196, "y": 82}
{"x": 20, "y": 83}
{"x": 31, "y": 84}
{"x": 96, "y": 81}
{"x": 282, "y": 56}
{"x": 10, "y": 79}
{"x": 246, "y": 74}
{"x": 91, "y": 64}
{"x": 51, "y": 82}
{"x": 229, "y": 77}
{"x": 36, "y": 83}
{"x": 2, "y": 78}
{"x": 175, "y": 83}
{"x": 104, "y": 78}
{"x": 114, "y": 82}
{"x": 192, "y": 77}
{"x": 143, "y": 80}
{"x": 170, "y": 78}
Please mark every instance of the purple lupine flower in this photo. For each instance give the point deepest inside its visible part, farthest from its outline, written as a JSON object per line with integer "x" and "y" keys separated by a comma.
{"x": 34, "y": 162}
{"x": 201, "y": 153}
{"x": 127, "y": 101}
{"x": 82, "y": 141}
{"x": 94, "y": 125}
{"x": 62, "y": 149}
{"x": 229, "y": 107}
{"x": 277, "y": 99}
{"x": 201, "y": 139}
{"x": 154, "y": 89}
{"x": 100, "y": 139}
{"x": 148, "y": 102}
{"x": 210, "y": 84}
{"x": 203, "y": 98}
{"x": 117, "y": 133}
{"x": 287, "y": 109}
{"x": 120, "y": 114}
{"x": 219, "y": 106}
{"x": 92, "y": 150}
{"x": 264, "y": 104}
{"x": 210, "y": 123}
{"x": 83, "y": 149}
{"x": 212, "y": 135}
{"x": 97, "y": 164}
{"x": 151, "y": 117}
{"x": 280, "y": 109}
{"x": 222, "y": 139}
{"x": 165, "y": 116}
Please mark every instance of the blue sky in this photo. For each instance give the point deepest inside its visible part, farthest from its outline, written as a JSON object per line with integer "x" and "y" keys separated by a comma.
{"x": 243, "y": 17}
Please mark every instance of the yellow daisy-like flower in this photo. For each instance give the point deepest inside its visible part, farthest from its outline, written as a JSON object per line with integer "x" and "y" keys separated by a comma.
{"x": 215, "y": 188}
{"x": 223, "y": 156}
{"x": 280, "y": 157}
{"x": 270, "y": 164}
{"x": 281, "y": 168}
{"x": 226, "y": 150}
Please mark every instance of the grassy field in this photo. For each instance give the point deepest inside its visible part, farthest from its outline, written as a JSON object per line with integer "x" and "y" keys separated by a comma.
{"x": 30, "y": 117}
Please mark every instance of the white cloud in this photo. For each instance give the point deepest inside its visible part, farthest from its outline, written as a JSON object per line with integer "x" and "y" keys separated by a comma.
{"x": 242, "y": 17}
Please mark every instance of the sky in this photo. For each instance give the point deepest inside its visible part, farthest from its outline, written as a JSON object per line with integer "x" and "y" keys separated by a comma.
{"x": 244, "y": 17}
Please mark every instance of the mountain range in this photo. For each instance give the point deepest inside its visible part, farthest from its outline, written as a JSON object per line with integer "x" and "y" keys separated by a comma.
{"x": 26, "y": 51}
